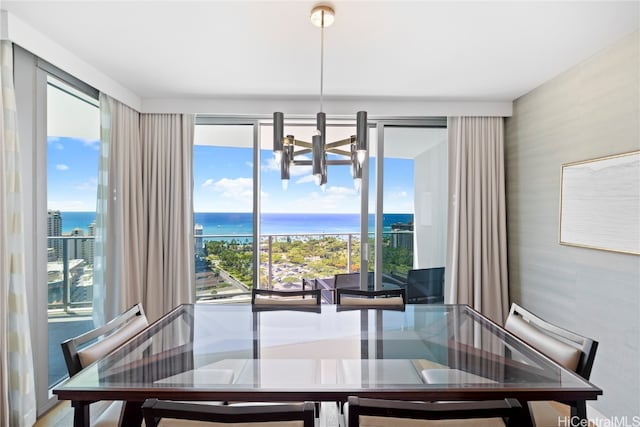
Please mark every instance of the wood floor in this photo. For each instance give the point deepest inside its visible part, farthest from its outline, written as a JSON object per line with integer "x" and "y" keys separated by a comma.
{"x": 61, "y": 415}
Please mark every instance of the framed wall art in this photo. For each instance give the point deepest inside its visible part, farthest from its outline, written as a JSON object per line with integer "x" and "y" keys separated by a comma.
{"x": 600, "y": 203}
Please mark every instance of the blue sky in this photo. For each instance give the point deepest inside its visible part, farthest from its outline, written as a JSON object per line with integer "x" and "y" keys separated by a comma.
{"x": 72, "y": 173}
{"x": 223, "y": 182}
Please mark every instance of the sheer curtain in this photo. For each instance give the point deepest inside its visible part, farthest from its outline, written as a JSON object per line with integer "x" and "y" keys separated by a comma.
{"x": 17, "y": 387}
{"x": 144, "y": 248}
{"x": 476, "y": 272}
{"x": 167, "y": 141}
{"x": 120, "y": 245}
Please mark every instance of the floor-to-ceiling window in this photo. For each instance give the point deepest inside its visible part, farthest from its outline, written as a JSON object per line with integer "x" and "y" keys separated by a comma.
{"x": 72, "y": 153}
{"x": 59, "y": 132}
{"x": 253, "y": 229}
{"x": 223, "y": 187}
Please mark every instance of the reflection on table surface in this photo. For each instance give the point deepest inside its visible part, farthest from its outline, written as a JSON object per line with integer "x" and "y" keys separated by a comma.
{"x": 232, "y": 347}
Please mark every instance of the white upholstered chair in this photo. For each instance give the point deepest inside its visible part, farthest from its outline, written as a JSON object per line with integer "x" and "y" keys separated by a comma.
{"x": 78, "y": 354}
{"x": 572, "y": 351}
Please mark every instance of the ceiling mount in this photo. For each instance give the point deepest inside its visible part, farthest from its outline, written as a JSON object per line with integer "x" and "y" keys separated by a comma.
{"x": 322, "y": 16}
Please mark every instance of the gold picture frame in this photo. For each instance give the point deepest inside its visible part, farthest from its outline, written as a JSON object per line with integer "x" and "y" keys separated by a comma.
{"x": 600, "y": 203}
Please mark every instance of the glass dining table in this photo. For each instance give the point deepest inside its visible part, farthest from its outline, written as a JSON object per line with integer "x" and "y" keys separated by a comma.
{"x": 236, "y": 352}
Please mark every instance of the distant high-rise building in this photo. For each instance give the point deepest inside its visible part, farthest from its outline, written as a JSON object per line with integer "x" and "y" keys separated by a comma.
{"x": 90, "y": 244}
{"x": 54, "y": 228}
{"x": 75, "y": 247}
{"x": 197, "y": 231}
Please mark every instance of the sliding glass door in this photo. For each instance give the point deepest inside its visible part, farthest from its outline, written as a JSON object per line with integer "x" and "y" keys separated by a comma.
{"x": 410, "y": 202}
{"x": 224, "y": 209}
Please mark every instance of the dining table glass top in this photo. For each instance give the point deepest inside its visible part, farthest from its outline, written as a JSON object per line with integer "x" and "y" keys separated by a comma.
{"x": 234, "y": 347}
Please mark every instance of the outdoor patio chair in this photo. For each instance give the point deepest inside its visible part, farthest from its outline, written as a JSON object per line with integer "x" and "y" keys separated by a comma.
{"x": 573, "y": 351}
{"x": 425, "y": 286}
{"x": 78, "y": 354}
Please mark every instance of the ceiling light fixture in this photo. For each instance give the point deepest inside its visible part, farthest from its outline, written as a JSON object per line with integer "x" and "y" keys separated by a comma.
{"x": 354, "y": 149}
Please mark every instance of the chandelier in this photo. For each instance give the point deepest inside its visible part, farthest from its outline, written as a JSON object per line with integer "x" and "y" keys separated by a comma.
{"x": 353, "y": 150}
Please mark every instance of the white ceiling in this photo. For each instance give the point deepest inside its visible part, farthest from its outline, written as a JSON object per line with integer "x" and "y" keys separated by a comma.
{"x": 490, "y": 51}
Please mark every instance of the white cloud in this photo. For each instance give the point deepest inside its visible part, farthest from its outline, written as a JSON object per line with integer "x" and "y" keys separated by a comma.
{"x": 272, "y": 166}
{"x": 230, "y": 195}
{"x": 335, "y": 199}
{"x": 93, "y": 143}
{"x": 398, "y": 195}
{"x": 62, "y": 167}
{"x": 305, "y": 179}
{"x": 249, "y": 164}
{"x": 236, "y": 188}
{"x": 90, "y": 185}
{"x": 71, "y": 205}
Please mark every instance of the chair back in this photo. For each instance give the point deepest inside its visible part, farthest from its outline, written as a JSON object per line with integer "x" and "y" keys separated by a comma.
{"x": 425, "y": 286}
{"x": 77, "y": 355}
{"x": 382, "y": 298}
{"x": 352, "y": 280}
{"x": 272, "y": 297}
{"x": 286, "y": 415}
{"x": 376, "y": 412}
{"x": 571, "y": 350}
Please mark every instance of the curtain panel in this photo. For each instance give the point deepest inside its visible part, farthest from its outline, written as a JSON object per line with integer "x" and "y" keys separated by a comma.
{"x": 476, "y": 272}
{"x": 144, "y": 248}
{"x": 167, "y": 151}
{"x": 17, "y": 386}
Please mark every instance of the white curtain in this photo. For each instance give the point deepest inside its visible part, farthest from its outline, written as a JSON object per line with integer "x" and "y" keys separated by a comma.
{"x": 144, "y": 226}
{"x": 476, "y": 271}
{"x": 167, "y": 141}
{"x": 120, "y": 245}
{"x": 17, "y": 387}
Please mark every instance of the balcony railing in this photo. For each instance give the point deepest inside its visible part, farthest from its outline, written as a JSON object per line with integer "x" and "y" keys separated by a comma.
{"x": 70, "y": 272}
{"x": 285, "y": 259}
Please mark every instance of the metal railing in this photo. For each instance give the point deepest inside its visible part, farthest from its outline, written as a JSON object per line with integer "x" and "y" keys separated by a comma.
{"x": 70, "y": 265}
{"x": 70, "y": 272}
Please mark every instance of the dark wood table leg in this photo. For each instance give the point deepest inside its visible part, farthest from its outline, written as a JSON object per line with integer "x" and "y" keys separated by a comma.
{"x": 131, "y": 414}
{"x": 579, "y": 413}
{"x": 80, "y": 413}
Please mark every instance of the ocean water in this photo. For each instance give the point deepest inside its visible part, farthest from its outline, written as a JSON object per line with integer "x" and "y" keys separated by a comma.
{"x": 231, "y": 224}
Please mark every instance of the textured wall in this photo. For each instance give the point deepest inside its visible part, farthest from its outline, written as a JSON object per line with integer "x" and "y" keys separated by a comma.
{"x": 591, "y": 110}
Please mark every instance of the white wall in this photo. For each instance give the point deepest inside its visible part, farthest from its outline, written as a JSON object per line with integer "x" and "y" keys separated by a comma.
{"x": 430, "y": 221}
{"x": 590, "y": 111}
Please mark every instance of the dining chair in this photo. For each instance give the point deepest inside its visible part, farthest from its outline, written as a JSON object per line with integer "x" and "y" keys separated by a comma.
{"x": 360, "y": 412}
{"x": 571, "y": 350}
{"x": 81, "y": 351}
{"x": 278, "y": 298}
{"x": 161, "y": 413}
{"x": 381, "y": 298}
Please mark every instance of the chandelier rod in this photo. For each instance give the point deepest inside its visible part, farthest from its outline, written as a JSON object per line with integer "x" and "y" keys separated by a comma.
{"x": 322, "y": 61}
